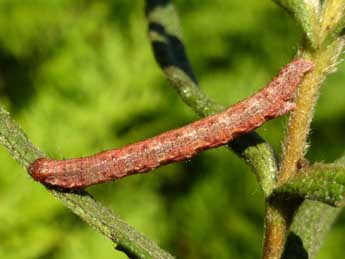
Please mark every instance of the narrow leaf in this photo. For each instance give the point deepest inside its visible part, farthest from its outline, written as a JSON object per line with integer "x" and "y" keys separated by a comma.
{"x": 169, "y": 50}
{"x": 306, "y": 12}
{"x": 325, "y": 183}
{"x": 310, "y": 226}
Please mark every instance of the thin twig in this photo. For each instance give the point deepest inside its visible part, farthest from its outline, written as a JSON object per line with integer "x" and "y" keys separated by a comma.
{"x": 80, "y": 202}
{"x": 168, "y": 48}
{"x": 325, "y": 59}
{"x": 278, "y": 216}
{"x": 299, "y": 123}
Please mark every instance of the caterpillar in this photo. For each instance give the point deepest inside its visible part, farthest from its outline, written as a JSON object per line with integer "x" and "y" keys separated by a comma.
{"x": 179, "y": 144}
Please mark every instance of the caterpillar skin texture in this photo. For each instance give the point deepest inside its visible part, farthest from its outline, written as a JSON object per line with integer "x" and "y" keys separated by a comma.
{"x": 179, "y": 144}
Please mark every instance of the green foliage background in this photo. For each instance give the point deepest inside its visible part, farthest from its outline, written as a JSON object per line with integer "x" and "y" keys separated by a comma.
{"x": 80, "y": 77}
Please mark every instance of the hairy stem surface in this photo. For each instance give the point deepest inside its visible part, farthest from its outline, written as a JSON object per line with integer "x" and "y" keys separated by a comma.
{"x": 325, "y": 57}
{"x": 299, "y": 124}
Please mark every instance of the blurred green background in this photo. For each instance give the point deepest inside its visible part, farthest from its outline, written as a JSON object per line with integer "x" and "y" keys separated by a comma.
{"x": 80, "y": 77}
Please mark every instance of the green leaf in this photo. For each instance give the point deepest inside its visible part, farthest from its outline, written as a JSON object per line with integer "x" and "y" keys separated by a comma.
{"x": 310, "y": 226}
{"x": 306, "y": 12}
{"x": 325, "y": 183}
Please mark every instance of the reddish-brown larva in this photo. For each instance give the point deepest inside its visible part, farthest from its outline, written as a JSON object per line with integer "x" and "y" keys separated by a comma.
{"x": 178, "y": 144}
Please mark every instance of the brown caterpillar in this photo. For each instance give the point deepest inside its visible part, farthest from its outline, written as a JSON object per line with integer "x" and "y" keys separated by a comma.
{"x": 178, "y": 144}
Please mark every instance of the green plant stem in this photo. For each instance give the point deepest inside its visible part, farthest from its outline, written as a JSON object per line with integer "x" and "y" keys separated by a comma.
{"x": 325, "y": 58}
{"x": 278, "y": 218}
{"x": 275, "y": 232}
{"x": 128, "y": 240}
{"x": 295, "y": 143}
{"x": 166, "y": 39}
{"x": 299, "y": 123}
